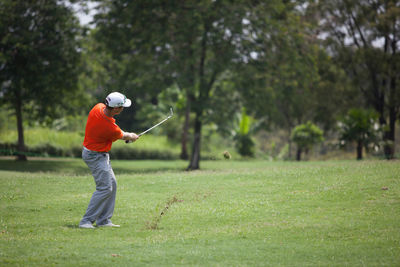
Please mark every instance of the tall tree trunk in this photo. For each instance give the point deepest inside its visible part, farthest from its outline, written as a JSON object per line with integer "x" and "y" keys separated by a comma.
{"x": 389, "y": 135}
{"x": 184, "y": 154}
{"x": 359, "y": 150}
{"x": 290, "y": 144}
{"x": 201, "y": 101}
{"x": 298, "y": 154}
{"x": 195, "y": 158}
{"x": 21, "y": 143}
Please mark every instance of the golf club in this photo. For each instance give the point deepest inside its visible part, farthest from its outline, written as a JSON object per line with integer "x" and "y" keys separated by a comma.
{"x": 169, "y": 116}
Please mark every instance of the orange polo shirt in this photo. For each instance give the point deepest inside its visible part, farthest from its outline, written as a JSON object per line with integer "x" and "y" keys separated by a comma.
{"x": 101, "y": 130}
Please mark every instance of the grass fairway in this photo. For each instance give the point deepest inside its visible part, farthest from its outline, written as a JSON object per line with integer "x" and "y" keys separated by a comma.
{"x": 231, "y": 213}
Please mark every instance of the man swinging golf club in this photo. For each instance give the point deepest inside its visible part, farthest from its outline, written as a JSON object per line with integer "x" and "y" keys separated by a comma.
{"x": 101, "y": 131}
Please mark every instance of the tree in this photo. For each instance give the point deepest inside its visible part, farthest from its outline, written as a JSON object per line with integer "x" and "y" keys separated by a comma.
{"x": 305, "y": 136}
{"x": 359, "y": 126}
{"x": 288, "y": 75}
{"x": 189, "y": 43}
{"x": 38, "y": 60}
{"x": 365, "y": 38}
{"x": 219, "y": 30}
{"x": 200, "y": 46}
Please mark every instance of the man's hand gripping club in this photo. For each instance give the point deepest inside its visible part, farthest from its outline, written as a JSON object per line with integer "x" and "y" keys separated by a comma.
{"x": 130, "y": 137}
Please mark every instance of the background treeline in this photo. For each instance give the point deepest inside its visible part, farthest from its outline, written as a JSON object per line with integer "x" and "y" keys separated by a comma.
{"x": 272, "y": 79}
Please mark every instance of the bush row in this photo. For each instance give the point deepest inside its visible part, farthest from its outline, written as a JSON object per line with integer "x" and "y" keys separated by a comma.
{"x": 131, "y": 153}
{"x": 49, "y": 150}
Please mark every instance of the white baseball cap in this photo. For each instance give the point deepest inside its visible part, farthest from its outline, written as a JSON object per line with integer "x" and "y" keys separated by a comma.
{"x": 116, "y": 100}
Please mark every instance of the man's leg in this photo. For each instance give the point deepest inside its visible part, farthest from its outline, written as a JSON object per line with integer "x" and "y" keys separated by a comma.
{"x": 108, "y": 210}
{"x": 103, "y": 176}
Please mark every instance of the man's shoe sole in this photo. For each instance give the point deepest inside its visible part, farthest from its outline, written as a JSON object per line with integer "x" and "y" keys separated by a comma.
{"x": 87, "y": 226}
{"x": 109, "y": 225}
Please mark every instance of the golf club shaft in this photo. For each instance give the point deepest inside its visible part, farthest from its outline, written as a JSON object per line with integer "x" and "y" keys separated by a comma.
{"x": 130, "y": 141}
{"x": 154, "y": 126}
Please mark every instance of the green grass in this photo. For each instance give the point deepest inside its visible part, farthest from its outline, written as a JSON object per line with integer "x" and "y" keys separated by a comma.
{"x": 231, "y": 213}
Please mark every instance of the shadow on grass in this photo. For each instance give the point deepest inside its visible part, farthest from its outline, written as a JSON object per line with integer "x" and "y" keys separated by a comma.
{"x": 78, "y": 167}
{"x": 44, "y": 165}
{"x": 72, "y": 226}
{"x": 119, "y": 170}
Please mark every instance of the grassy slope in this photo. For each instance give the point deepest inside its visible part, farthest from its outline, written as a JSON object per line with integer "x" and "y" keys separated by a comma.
{"x": 63, "y": 139}
{"x": 229, "y": 213}
{"x": 66, "y": 140}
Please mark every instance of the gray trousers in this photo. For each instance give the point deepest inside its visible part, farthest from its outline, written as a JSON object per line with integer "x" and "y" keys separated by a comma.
{"x": 102, "y": 203}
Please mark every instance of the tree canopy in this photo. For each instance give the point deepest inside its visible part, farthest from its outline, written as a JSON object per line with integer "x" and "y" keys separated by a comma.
{"x": 365, "y": 37}
{"x": 39, "y": 59}
{"x": 286, "y": 63}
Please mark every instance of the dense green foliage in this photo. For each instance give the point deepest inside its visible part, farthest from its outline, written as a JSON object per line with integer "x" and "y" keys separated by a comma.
{"x": 38, "y": 60}
{"x": 365, "y": 38}
{"x": 206, "y": 48}
{"x": 190, "y": 44}
{"x": 286, "y": 62}
{"x": 231, "y": 213}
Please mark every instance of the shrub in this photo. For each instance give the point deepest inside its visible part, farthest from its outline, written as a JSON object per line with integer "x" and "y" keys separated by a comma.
{"x": 245, "y": 145}
{"x": 131, "y": 153}
{"x": 359, "y": 126}
{"x": 49, "y": 150}
{"x": 8, "y": 149}
{"x": 305, "y": 136}
{"x": 244, "y": 142}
